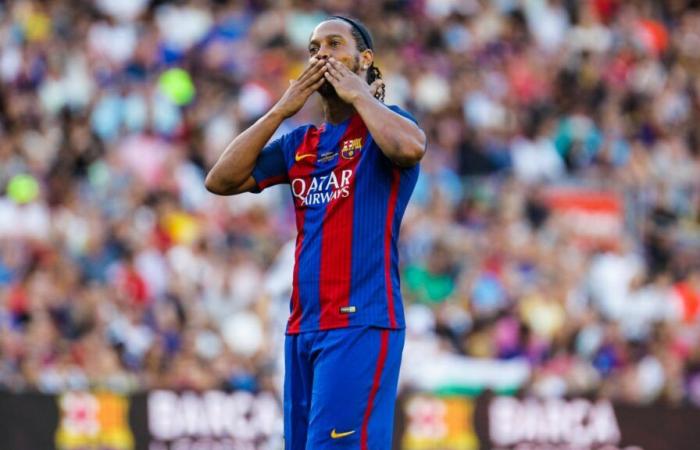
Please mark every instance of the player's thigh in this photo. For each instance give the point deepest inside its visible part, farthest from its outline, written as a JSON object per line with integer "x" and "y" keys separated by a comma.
{"x": 298, "y": 379}
{"x": 354, "y": 390}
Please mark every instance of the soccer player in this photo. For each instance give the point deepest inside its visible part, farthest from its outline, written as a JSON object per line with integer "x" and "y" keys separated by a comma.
{"x": 350, "y": 179}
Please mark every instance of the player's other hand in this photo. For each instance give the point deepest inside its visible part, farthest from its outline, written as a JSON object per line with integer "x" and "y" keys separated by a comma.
{"x": 348, "y": 85}
{"x": 300, "y": 90}
{"x": 375, "y": 87}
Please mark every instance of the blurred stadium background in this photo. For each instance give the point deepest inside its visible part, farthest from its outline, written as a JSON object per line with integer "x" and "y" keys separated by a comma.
{"x": 551, "y": 248}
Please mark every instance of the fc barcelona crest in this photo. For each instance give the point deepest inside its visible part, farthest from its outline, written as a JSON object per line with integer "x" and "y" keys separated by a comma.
{"x": 351, "y": 147}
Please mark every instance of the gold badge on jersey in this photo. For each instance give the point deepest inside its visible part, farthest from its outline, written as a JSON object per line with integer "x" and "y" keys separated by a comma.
{"x": 350, "y": 148}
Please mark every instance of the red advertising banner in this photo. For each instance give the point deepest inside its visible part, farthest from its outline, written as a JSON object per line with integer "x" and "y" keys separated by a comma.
{"x": 589, "y": 216}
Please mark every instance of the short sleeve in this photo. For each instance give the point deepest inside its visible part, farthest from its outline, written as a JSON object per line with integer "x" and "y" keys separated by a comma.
{"x": 271, "y": 167}
{"x": 274, "y": 161}
{"x": 403, "y": 113}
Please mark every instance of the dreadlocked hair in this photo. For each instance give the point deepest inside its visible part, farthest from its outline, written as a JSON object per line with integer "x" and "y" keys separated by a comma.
{"x": 373, "y": 73}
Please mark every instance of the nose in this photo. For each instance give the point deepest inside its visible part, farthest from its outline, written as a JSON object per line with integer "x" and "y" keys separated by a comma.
{"x": 323, "y": 52}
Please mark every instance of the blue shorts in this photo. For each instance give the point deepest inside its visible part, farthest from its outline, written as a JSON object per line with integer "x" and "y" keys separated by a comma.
{"x": 340, "y": 388}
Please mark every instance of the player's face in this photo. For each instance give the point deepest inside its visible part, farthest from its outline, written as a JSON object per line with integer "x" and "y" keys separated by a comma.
{"x": 334, "y": 38}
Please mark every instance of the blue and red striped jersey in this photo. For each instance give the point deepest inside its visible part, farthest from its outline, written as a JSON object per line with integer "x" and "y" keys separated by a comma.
{"x": 349, "y": 200}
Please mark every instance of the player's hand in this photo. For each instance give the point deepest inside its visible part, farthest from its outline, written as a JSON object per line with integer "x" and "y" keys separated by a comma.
{"x": 376, "y": 86}
{"x": 300, "y": 90}
{"x": 348, "y": 85}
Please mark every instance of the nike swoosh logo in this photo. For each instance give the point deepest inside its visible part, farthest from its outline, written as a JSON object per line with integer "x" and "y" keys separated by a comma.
{"x": 299, "y": 157}
{"x": 335, "y": 435}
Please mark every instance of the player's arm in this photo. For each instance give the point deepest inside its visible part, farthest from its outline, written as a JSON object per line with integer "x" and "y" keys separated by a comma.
{"x": 401, "y": 140}
{"x": 232, "y": 173}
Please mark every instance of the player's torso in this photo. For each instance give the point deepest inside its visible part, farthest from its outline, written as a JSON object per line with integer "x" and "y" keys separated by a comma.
{"x": 348, "y": 206}
{"x": 327, "y": 163}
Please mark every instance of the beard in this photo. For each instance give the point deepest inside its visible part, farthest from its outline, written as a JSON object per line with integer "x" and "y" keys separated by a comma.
{"x": 328, "y": 91}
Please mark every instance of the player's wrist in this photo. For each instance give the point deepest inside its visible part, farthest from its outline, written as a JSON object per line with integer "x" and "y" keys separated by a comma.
{"x": 279, "y": 113}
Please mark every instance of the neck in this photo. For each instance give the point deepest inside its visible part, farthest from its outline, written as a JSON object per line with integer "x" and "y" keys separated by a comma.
{"x": 335, "y": 110}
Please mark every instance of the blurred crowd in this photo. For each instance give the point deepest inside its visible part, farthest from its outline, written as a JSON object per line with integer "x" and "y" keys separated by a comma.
{"x": 556, "y": 220}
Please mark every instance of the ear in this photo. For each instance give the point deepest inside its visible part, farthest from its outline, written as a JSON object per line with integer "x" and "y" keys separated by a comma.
{"x": 366, "y": 59}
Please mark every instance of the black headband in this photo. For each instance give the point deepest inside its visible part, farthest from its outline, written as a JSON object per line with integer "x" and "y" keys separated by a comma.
{"x": 366, "y": 37}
